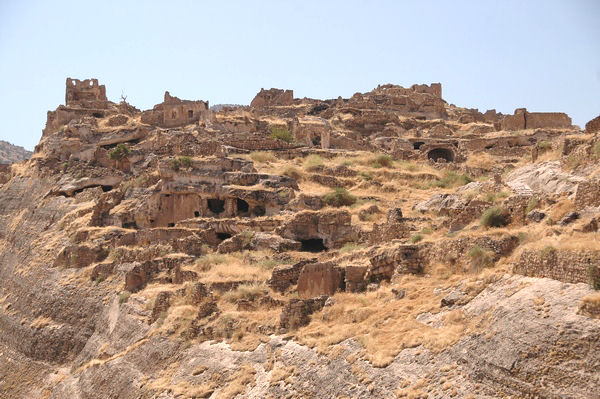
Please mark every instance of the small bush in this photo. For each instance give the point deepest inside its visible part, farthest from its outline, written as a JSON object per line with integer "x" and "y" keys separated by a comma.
{"x": 523, "y": 237}
{"x": 206, "y": 262}
{"x": 594, "y": 276}
{"x": 124, "y": 297}
{"x": 532, "y": 204}
{"x": 573, "y": 161}
{"x": 452, "y": 179}
{"x": 349, "y": 247}
{"x": 544, "y": 146}
{"x": 382, "y": 161}
{"x": 596, "y": 150}
{"x": 248, "y": 292}
{"x": 293, "y": 172}
{"x": 495, "y": 217}
{"x": 313, "y": 162}
{"x": 262, "y": 156}
{"x": 426, "y": 230}
{"x": 181, "y": 162}
{"x": 281, "y": 133}
{"x": 339, "y": 197}
{"x": 416, "y": 238}
{"x": 367, "y": 176}
{"x": 267, "y": 264}
{"x": 547, "y": 251}
{"x": 480, "y": 258}
{"x": 120, "y": 152}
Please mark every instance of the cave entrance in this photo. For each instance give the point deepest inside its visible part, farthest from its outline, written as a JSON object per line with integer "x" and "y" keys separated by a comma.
{"x": 106, "y": 188}
{"x": 223, "y": 236}
{"x": 316, "y": 140}
{"x": 442, "y": 153}
{"x": 216, "y": 205}
{"x": 242, "y": 206}
{"x": 313, "y": 245}
{"x": 417, "y": 144}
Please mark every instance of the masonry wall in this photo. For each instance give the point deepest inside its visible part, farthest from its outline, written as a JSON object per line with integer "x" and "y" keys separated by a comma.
{"x": 569, "y": 266}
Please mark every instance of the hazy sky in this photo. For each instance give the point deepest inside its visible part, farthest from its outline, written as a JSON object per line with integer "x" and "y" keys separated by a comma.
{"x": 544, "y": 55}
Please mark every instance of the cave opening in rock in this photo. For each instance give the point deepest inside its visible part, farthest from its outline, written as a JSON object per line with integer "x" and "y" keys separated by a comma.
{"x": 313, "y": 245}
{"x": 106, "y": 188}
{"x": 196, "y": 214}
{"x": 130, "y": 225}
{"x": 170, "y": 224}
{"x": 417, "y": 144}
{"x": 316, "y": 140}
{"x": 242, "y": 206}
{"x": 216, "y": 205}
{"x": 223, "y": 236}
{"x": 442, "y": 153}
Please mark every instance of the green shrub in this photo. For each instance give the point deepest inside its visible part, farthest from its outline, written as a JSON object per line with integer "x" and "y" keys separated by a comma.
{"x": 480, "y": 258}
{"x": 247, "y": 292}
{"x": 596, "y": 150}
{"x": 544, "y": 146}
{"x": 349, "y": 247}
{"x": 339, "y": 197}
{"x": 426, "y": 230}
{"x": 532, "y": 204}
{"x": 452, "y": 179}
{"x": 495, "y": 217}
{"x": 293, "y": 172}
{"x": 281, "y": 133}
{"x": 416, "y": 238}
{"x": 382, "y": 161}
{"x": 120, "y": 152}
{"x": 262, "y": 156}
{"x": 367, "y": 176}
{"x": 547, "y": 251}
{"x": 181, "y": 162}
{"x": 124, "y": 297}
{"x": 594, "y": 276}
{"x": 313, "y": 162}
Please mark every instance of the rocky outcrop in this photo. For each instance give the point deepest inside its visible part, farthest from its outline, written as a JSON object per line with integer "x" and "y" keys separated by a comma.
{"x": 10, "y": 153}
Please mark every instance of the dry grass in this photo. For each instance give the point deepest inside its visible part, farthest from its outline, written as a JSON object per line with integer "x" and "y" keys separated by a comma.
{"x": 281, "y": 374}
{"x": 385, "y": 326}
{"x": 481, "y": 160}
{"x": 40, "y": 322}
{"x": 237, "y": 383}
{"x": 561, "y": 208}
{"x": 262, "y": 156}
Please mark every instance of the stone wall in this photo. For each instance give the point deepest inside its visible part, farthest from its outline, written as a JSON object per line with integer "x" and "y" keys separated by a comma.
{"x": 174, "y": 112}
{"x": 85, "y": 94}
{"x": 593, "y": 126}
{"x": 522, "y": 119}
{"x": 569, "y": 266}
{"x": 318, "y": 279}
{"x": 283, "y": 277}
{"x": 587, "y": 194}
{"x": 271, "y": 97}
{"x": 332, "y": 226}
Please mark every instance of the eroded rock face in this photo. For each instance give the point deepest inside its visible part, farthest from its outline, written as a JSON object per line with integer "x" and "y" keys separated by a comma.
{"x": 317, "y": 279}
{"x": 547, "y": 178}
{"x": 333, "y": 227}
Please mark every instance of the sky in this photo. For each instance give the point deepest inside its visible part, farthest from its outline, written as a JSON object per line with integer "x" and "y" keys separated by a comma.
{"x": 543, "y": 55}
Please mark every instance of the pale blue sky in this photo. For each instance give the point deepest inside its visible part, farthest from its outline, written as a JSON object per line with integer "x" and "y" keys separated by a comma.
{"x": 544, "y": 55}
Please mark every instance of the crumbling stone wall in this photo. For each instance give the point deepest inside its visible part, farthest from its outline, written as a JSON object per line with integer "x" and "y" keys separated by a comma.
{"x": 272, "y": 97}
{"x": 587, "y": 194}
{"x": 522, "y": 119}
{"x": 593, "y": 126}
{"x": 318, "y": 279}
{"x": 332, "y": 226}
{"x": 283, "y": 277}
{"x": 296, "y": 312}
{"x": 569, "y": 266}
{"x": 85, "y": 94}
{"x": 174, "y": 112}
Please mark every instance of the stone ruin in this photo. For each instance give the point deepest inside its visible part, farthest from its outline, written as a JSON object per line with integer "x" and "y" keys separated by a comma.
{"x": 85, "y": 94}
{"x": 174, "y": 112}
{"x": 272, "y": 97}
{"x": 522, "y": 119}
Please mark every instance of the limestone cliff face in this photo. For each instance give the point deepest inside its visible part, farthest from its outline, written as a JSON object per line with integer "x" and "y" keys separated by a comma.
{"x": 10, "y": 153}
{"x": 203, "y": 257}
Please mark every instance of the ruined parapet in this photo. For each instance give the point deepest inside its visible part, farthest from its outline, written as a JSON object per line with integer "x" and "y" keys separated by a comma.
{"x": 319, "y": 230}
{"x": 272, "y": 97}
{"x": 282, "y": 277}
{"x": 522, "y": 119}
{"x": 593, "y": 126}
{"x": 318, "y": 279}
{"x": 587, "y": 194}
{"x": 85, "y": 94}
{"x": 402, "y": 259}
{"x": 569, "y": 266}
{"x": 173, "y": 112}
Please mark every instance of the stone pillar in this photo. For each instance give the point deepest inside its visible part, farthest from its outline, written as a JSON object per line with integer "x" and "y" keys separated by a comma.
{"x": 325, "y": 139}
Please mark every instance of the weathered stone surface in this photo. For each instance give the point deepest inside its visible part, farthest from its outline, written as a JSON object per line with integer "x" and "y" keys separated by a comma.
{"x": 332, "y": 226}
{"x": 593, "y": 125}
{"x": 587, "y": 194}
{"x": 296, "y": 312}
{"x": 536, "y": 215}
{"x": 282, "y": 277}
{"x": 355, "y": 277}
{"x": 569, "y": 266}
{"x": 317, "y": 279}
{"x": 272, "y": 97}
{"x": 258, "y": 241}
{"x": 402, "y": 259}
